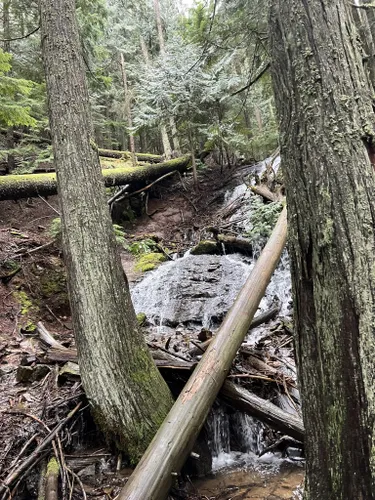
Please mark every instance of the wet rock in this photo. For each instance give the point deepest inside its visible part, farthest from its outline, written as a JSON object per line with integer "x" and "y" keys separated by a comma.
{"x": 209, "y": 247}
{"x": 27, "y": 374}
{"x": 40, "y": 371}
{"x": 192, "y": 290}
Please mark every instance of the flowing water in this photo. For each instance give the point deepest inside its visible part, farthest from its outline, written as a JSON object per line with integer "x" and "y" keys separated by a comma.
{"x": 195, "y": 292}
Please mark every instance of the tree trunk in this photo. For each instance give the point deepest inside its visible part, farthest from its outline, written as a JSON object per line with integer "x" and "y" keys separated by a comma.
{"x": 13, "y": 187}
{"x": 7, "y": 35}
{"x": 168, "y": 451}
{"x": 6, "y": 25}
{"x": 326, "y": 122}
{"x": 175, "y": 139}
{"x": 128, "y": 397}
{"x": 159, "y": 26}
{"x": 128, "y": 110}
{"x": 164, "y": 134}
{"x": 166, "y": 144}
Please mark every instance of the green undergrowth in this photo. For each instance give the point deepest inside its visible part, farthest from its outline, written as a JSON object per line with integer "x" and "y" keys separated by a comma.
{"x": 263, "y": 218}
{"x": 149, "y": 261}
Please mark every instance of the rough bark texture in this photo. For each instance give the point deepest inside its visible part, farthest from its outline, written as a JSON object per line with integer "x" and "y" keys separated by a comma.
{"x": 368, "y": 52}
{"x": 128, "y": 396}
{"x": 169, "y": 449}
{"x": 13, "y": 187}
{"x": 326, "y": 122}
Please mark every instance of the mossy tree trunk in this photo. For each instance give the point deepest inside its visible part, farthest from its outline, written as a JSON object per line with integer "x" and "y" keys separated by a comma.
{"x": 128, "y": 396}
{"x": 327, "y": 124}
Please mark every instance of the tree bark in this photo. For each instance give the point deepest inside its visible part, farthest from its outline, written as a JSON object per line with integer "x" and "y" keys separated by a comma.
{"x": 165, "y": 140}
{"x": 13, "y": 187}
{"x": 363, "y": 26}
{"x": 129, "y": 399}
{"x": 169, "y": 449}
{"x": 159, "y": 26}
{"x": 327, "y": 128}
{"x": 128, "y": 110}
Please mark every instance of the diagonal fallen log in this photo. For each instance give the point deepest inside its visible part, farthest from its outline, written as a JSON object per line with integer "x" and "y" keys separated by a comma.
{"x": 13, "y": 187}
{"x": 175, "y": 438}
{"x": 267, "y": 412}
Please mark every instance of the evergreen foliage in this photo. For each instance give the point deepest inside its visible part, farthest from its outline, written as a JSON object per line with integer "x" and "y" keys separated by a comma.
{"x": 212, "y": 51}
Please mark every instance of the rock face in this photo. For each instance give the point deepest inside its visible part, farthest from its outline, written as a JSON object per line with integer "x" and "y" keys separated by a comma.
{"x": 198, "y": 290}
{"x": 195, "y": 289}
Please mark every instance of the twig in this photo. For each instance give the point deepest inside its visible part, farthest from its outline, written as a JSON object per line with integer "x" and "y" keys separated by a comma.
{"x": 118, "y": 194}
{"x": 34, "y": 457}
{"x": 74, "y": 475}
{"x": 46, "y": 202}
{"x": 20, "y": 37}
{"x": 152, "y": 183}
{"x": 151, "y": 344}
{"x": 22, "y": 251}
{"x": 57, "y": 318}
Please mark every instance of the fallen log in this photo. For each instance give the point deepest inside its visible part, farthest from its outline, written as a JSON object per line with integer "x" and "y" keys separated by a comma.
{"x": 264, "y": 410}
{"x": 126, "y": 155}
{"x": 263, "y": 191}
{"x": 13, "y": 187}
{"x": 234, "y": 244}
{"x": 175, "y": 438}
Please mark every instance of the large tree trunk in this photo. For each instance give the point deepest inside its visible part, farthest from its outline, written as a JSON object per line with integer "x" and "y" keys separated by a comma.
{"x": 324, "y": 105}
{"x": 13, "y": 187}
{"x": 128, "y": 396}
{"x": 169, "y": 449}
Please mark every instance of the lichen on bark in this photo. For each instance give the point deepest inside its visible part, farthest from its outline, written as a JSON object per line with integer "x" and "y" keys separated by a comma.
{"x": 324, "y": 104}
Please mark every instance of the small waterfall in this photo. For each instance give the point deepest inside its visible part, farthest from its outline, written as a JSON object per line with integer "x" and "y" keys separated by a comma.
{"x": 195, "y": 292}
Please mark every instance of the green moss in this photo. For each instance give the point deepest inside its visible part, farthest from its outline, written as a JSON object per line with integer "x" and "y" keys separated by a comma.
{"x": 141, "y": 318}
{"x": 205, "y": 247}
{"x": 53, "y": 467}
{"x": 30, "y": 327}
{"x": 53, "y": 281}
{"x": 26, "y": 303}
{"x": 149, "y": 261}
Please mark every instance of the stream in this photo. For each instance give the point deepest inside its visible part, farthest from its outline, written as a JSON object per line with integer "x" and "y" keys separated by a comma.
{"x": 195, "y": 292}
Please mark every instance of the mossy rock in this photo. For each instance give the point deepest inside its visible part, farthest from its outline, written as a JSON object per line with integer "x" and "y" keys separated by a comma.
{"x": 53, "y": 281}
{"x": 149, "y": 261}
{"x": 204, "y": 247}
{"x": 26, "y": 304}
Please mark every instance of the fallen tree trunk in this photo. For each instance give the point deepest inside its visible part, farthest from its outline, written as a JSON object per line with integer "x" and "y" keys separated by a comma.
{"x": 234, "y": 244}
{"x": 175, "y": 438}
{"x": 263, "y": 191}
{"x": 126, "y": 155}
{"x": 13, "y": 187}
{"x": 267, "y": 412}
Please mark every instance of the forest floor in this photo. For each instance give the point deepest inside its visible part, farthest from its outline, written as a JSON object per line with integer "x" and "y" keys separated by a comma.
{"x": 36, "y": 394}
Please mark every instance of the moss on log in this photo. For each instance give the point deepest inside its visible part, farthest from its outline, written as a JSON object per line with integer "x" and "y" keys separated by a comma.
{"x": 13, "y": 187}
{"x": 113, "y": 153}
